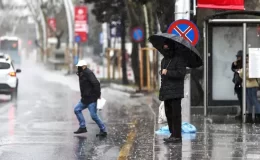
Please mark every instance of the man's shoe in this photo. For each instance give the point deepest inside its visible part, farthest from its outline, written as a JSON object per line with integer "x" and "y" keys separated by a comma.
{"x": 81, "y": 130}
{"x": 102, "y": 134}
{"x": 173, "y": 140}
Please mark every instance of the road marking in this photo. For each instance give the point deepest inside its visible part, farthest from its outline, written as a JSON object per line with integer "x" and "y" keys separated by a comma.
{"x": 125, "y": 150}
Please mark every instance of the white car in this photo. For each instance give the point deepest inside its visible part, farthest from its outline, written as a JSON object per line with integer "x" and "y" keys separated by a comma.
{"x": 8, "y": 79}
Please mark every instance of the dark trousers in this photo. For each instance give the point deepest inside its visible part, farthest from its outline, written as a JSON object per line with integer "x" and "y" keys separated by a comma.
{"x": 239, "y": 92}
{"x": 173, "y": 115}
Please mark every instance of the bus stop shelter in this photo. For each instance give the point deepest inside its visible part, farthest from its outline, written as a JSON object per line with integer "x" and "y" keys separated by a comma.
{"x": 224, "y": 35}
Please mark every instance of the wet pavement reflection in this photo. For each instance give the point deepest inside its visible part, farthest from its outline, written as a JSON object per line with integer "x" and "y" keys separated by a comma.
{"x": 40, "y": 125}
{"x": 218, "y": 137}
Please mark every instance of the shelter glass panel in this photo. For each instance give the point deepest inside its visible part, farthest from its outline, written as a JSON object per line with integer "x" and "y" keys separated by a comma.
{"x": 226, "y": 42}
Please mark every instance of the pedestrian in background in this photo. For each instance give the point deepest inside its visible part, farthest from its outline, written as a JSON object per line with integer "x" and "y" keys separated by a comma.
{"x": 251, "y": 92}
{"x": 90, "y": 92}
{"x": 173, "y": 71}
{"x": 237, "y": 80}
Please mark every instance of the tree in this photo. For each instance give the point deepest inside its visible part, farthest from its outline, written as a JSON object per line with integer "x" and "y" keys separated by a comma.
{"x": 109, "y": 11}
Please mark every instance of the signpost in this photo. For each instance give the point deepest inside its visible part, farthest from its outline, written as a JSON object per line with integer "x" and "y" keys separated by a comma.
{"x": 81, "y": 23}
{"x": 52, "y": 25}
{"x": 186, "y": 29}
{"x": 190, "y": 32}
{"x": 137, "y": 35}
{"x": 80, "y": 26}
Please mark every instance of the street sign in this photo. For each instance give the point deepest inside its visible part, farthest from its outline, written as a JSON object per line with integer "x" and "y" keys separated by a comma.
{"x": 77, "y": 39}
{"x": 81, "y": 23}
{"x": 115, "y": 30}
{"x": 186, "y": 29}
{"x": 137, "y": 34}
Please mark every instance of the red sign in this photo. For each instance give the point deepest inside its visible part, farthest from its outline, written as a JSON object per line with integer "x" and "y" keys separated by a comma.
{"x": 186, "y": 29}
{"x": 52, "y": 23}
{"x": 81, "y": 23}
{"x": 222, "y": 4}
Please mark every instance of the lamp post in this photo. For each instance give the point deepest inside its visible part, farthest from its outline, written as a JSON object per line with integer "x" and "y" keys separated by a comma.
{"x": 70, "y": 29}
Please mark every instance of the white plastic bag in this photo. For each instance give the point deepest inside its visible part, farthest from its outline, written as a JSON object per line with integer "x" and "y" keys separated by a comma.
{"x": 162, "y": 116}
{"x": 100, "y": 103}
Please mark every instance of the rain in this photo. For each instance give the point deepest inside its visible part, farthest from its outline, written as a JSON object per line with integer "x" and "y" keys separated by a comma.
{"x": 54, "y": 55}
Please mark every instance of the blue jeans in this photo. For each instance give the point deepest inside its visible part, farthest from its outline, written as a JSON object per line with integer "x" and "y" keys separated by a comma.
{"x": 93, "y": 113}
{"x": 251, "y": 99}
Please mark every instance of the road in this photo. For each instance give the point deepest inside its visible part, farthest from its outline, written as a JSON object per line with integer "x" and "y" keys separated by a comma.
{"x": 40, "y": 124}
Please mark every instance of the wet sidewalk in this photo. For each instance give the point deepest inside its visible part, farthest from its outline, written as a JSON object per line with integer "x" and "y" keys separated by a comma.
{"x": 217, "y": 137}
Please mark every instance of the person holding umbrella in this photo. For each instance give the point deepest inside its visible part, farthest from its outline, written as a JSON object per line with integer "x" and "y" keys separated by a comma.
{"x": 178, "y": 54}
{"x": 173, "y": 71}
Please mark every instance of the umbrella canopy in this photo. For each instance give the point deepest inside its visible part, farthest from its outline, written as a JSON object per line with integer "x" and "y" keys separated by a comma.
{"x": 179, "y": 45}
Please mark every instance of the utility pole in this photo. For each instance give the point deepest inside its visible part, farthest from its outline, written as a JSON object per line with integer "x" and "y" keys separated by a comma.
{"x": 69, "y": 15}
{"x": 182, "y": 11}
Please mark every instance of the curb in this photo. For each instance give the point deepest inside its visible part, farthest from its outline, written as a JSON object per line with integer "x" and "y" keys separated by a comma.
{"x": 123, "y": 88}
{"x": 130, "y": 90}
{"x": 212, "y": 110}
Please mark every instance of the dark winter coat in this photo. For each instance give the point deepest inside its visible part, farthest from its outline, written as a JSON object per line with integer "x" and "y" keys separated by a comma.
{"x": 89, "y": 87}
{"x": 172, "y": 84}
{"x": 237, "y": 80}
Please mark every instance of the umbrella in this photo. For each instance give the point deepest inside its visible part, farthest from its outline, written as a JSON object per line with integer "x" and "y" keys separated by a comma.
{"x": 180, "y": 45}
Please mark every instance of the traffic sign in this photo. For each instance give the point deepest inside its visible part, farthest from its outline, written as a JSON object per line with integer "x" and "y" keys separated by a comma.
{"x": 137, "y": 34}
{"x": 81, "y": 23}
{"x": 186, "y": 29}
{"x": 77, "y": 39}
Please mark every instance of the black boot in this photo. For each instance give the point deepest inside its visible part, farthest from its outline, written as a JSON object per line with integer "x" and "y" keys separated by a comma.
{"x": 165, "y": 139}
{"x": 81, "y": 130}
{"x": 173, "y": 140}
{"x": 102, "y": 134}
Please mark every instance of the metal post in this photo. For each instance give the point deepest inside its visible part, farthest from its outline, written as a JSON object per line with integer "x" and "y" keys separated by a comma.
{"x": 70, "y": 30}
{"x": 71, "y": 6}
{"x": 194, "y": 8}
{"x": 182, "y": 11}
{"x": 205, "y": 69}
{"x": 159, "y": 55}
{"x": 244, "y": 70}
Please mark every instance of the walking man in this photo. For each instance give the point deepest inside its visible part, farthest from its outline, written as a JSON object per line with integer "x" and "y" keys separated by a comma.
{"x": 173, "y": 71}
{"x": 90, "y": 92}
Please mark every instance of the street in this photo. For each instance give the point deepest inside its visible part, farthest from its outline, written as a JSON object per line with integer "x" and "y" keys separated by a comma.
{"x": 40, "y": 124}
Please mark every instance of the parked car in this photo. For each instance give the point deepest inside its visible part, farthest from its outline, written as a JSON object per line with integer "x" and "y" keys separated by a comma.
{"x": 8, "y": 79}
